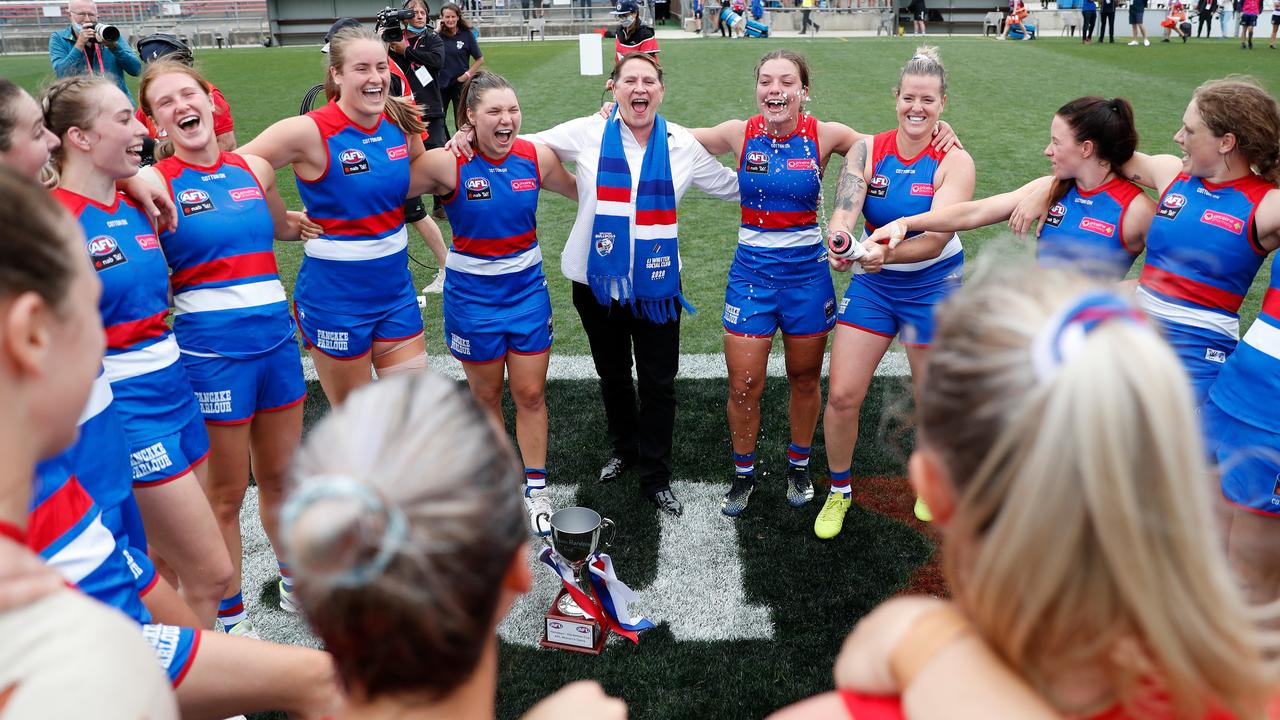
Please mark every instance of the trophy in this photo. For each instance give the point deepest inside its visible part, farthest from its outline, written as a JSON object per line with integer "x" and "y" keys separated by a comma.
{"x": 574, "y": 539}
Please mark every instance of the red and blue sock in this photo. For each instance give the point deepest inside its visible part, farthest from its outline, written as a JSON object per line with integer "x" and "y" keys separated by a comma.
{"x": 798, "y": 456}
{"x": 842, "y": 482}
{"x": 231, "y": 611}
{"x": 745, "y": 464}
{"x": 286, "y": 577}
{"x": 535, "y": 480}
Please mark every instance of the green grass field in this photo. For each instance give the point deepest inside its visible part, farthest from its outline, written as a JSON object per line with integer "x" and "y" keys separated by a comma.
{"x": 1002, "y": 96}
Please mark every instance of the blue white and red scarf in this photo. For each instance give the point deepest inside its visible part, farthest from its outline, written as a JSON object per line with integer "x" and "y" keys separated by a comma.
{"x": 642, "y": 271}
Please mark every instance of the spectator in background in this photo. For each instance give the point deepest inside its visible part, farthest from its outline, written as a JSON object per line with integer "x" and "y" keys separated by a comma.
{"x": 661, "y": 11}
{"x": 918, "y": 12}
{"x": 632, "y": 35}
{"x": 77, "y": 49}
{"x": 1088, "y": 17}
{"x": 1017, "y": 18}
{"x": 1136, "y": 10}
{"x": 420, "y": 57}
{"x": 462, "y": 56}
{"x": 1107, "y": 14}
{"x": 1229, "y": 9}
{"x": 1176, "y": 21}
{"x": 1275, "y": 22}
{"x": 1204, "y": 16}
{"x": 1249, "y": 11}
{"x": 163, "y": 45}
{"x": 806, "y": 7}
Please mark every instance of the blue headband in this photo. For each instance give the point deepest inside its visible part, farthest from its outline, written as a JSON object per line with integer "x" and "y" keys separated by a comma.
{"x": 1064, "y": 335}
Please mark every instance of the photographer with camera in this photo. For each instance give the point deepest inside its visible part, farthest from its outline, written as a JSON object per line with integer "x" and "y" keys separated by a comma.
{"x": 87, "y": 46}
{"x": 419, "y": 53}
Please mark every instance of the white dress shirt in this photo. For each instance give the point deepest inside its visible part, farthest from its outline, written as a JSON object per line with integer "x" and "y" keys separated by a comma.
{"x": 578, "y": 141}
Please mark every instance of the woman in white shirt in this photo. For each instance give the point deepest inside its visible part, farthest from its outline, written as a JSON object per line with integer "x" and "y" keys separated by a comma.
{"x": 640, "y": 312}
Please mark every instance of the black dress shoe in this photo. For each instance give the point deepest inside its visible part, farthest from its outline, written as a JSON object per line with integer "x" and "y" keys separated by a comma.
{"x": 612, "y": 469}
{"x": 666, "y": 501}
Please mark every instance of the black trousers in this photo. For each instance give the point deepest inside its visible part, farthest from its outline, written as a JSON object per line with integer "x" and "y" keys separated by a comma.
{"x": 1108, "y": 20}
{"x": 1089, "y": 17}
{"x": 449, "y": 99}
{"x": 640, "y": 432}
{"x": 1205, "y": 25}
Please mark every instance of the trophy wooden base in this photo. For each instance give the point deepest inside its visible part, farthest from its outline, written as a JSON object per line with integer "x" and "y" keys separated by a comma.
{"x": 571, "y": 632}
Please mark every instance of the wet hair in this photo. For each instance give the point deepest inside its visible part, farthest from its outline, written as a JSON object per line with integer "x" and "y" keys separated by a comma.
{"x": 646, "y": 57}
{"x": 925, "y": 62}
{"x": 1083, "y": 524}
{"x": 35, "y": 255}
{"x": 1108, "y": 124}
{"x": 795, "y": 58}
{"x": 1238, "y": 105}
{"x": 402, "y": 521}
{"x": 473, "y": 90}
{"x": 404, "y": 113}
{"x": 66, "y": 104}
{"x": 463, "y": 25}
{"x": 10, "y": 94}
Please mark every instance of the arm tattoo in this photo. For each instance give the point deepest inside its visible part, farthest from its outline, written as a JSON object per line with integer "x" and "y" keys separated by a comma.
{"x": 852, "y": 189}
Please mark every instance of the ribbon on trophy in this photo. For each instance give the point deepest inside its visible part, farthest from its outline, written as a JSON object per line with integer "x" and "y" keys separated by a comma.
{"x": 615, "y": 598}
{"x": 609, "y": 604}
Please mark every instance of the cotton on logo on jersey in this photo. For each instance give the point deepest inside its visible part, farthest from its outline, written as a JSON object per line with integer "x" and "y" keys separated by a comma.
{"x": 1056, "y": 213}
{"x": 216, "y": 402}
{"x": 756, "y": 161}
{"x": 1171, "y": 205}
{"x": 524, "y": 184}
{"x": 1223, "y": 220}
{"x": 922, "y": 189}
{"x": 1097, "y": 226}
{"x": 332, "y": 340}
{"x": 152, "y": 458}
{"x": 878, "y": 186}
{"x": 105, "y": 252}
{"x": 478, "y": 189}
{"x": 802, "y": 164}
{"x": 243, "y": 194}
{"x": 194, "y": 201}
{"x": 353, "y": 161}
{"x": 398, "y": 152}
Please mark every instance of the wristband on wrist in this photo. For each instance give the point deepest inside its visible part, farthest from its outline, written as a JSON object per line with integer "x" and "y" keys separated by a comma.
{"x": 930, "y": 633}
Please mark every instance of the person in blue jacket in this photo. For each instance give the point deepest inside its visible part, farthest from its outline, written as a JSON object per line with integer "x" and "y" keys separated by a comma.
{"x": 77, "y": 49}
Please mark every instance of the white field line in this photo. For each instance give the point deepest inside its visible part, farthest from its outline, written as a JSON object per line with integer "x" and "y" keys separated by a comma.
{"x": 694, "y": 366}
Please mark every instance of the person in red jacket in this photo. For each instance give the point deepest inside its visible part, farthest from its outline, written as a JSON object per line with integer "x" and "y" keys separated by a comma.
{"x": 632, "y": 35}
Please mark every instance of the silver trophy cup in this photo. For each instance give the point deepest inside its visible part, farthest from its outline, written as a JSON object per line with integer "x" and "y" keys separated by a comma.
{"x": 575, "y": 537}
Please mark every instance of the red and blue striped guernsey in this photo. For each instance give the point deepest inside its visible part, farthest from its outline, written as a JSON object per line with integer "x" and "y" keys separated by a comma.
{"x": 1250, "y": 380}
{"x": 1202, "y": 253}
{"x": 227, "y": 296}
{"x": 64, "y": 526}
{"x": 1085, "y": 230}
{"x": 899, "y": 187}
{"x": 151, "y": 389}
{"x": 360, "y": 263}
{"x": 493, "y": 214}
{"x": 780, "y": 182}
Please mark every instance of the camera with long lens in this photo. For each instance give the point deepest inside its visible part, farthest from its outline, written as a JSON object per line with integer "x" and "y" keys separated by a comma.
{"x": 106, "y": 33}
{"x": 389, "y": 27}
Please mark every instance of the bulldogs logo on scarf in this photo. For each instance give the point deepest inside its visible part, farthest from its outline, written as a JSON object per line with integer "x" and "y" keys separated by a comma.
{"x": 643, "y": 271}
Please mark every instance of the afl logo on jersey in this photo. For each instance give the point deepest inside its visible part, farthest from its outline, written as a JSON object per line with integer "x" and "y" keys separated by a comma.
{"x": 353, "y": 161}
{"x": 478, "y": 189}
{"x": 756, "y": 161}
{"x": 194, "y": 201}
{"x": 1171, "y": 205}
{"x": 878, "y": 187}
{"x": 105, "y": 252}
{"x": 1055, "y": 215}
